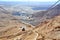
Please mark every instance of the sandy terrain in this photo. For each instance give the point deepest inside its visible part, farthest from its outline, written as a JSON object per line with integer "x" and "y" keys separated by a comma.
{"x": 47, "y": 30}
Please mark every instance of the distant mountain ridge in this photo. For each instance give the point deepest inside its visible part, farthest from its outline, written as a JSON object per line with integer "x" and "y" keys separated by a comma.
{"x": 43, "y": 15}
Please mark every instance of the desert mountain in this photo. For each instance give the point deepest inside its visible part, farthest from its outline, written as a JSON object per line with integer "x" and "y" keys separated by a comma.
{"x": 10, "y": 22}
{"x": 11, "y": 28}
{"x": 43, "y": 15}
{"x": 49, "y": 29}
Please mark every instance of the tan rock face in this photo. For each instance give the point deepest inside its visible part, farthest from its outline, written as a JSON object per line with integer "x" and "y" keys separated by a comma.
{"x": 47, "y": 30}
{"x": 13, "y": 29}
{"x": 50, "y": 30}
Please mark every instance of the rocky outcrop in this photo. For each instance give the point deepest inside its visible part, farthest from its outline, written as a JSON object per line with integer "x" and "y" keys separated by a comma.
{"x": 49, "y": 29}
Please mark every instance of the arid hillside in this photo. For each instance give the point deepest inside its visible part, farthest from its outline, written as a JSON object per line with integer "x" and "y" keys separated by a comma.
{"x": 47, "y": 30}
{"x": 12, "y": 29}
{"x": 47, "y": 26}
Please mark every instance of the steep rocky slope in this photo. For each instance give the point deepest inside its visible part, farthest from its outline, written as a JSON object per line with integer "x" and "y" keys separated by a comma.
{"x": 49, "y": 29}
{"x": 10, "y": 26}
{"x": 13, "y": 30}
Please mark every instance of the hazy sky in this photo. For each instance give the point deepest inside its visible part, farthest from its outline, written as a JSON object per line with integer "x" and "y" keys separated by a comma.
{"x": 32, "y": 0}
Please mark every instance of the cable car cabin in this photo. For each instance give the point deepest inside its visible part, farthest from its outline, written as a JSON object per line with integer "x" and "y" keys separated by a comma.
{"x": 23, "y": 29}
